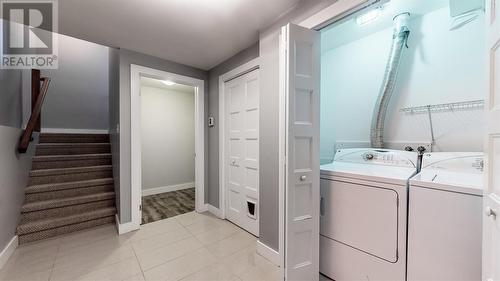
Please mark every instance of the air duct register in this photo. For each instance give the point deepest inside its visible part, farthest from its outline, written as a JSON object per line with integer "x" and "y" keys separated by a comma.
{"x": 461, "y": 7}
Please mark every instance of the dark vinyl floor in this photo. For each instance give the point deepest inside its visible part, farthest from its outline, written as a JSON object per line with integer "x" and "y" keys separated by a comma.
{"x": 166, "y": 205}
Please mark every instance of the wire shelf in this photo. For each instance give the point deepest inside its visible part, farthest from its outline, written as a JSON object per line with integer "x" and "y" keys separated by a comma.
{"x": 465, "y": 105}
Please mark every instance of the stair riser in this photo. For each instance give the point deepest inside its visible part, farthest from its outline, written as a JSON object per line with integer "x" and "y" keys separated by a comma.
{"x": 58, "y": 194}
{"x": 35, "y": 180}
{"x": 39, "y": 165}
{"x": 73, "y": 139}
{"x": 66, "y": 211}
{"x": 64, "y": 229}
{"x": 72, "y": 150}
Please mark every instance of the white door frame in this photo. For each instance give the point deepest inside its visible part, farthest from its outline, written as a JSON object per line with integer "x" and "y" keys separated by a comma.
{"x": 136, "y": 72}
{"x": 237, "y": 72}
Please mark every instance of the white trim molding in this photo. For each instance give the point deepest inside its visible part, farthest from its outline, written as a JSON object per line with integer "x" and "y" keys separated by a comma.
{"x": 268, "y": 253}
{"x": 125, "y": 227}
{"x": 168, "y": 188}
{"x": 214, "y": 211}
{"x": 73, "y": 131}
{"x": 8, "y": 251}
{"x": 335, "y": 12}
{"x": 136, "y": 72}
{"x": 238, "y": 71}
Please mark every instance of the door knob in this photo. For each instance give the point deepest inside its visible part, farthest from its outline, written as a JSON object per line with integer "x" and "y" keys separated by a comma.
{"x": 303, "y": 178}
{"x": 233, "y": 162}
{"x": 490, "y": 212}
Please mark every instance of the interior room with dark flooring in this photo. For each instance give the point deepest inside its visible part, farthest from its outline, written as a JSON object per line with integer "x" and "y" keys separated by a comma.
{"x": 166, "y": 205}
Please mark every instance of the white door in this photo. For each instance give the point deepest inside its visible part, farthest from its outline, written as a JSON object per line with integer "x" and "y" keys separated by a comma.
{"x": 242, "y": 151}
{"x": 491, "y": 221}
{"x": 300, "y": 66}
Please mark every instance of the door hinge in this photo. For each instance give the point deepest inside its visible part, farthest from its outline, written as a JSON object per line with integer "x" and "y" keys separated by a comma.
{"x": 140, "y": 207}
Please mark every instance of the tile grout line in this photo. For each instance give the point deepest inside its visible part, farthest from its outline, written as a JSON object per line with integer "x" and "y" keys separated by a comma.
{"x": 202, "y": 246}
{"x": 137, "y": 259}
{"x": 182, "y": 226}
{"x": 55, "y": 258}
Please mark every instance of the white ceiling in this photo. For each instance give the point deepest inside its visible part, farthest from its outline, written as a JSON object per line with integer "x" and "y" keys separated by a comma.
{"x": 155, "y": 83}
{"x": 349, "y": 31}
{"x": 199, "y": 33}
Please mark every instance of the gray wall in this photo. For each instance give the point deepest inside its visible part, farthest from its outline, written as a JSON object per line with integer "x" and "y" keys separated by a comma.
{"x": 14, "y": 167}
{"x": 269, "y": 104}
{"x": 126, "y": 59}
{"x": 114, "y": 116}
{"x": 78, "y": 93}
{"x": 167, "y": 137}
{"x": 10, "y": 97}
{"x": 213, "y": 109}
{"x": 14, "y": 171}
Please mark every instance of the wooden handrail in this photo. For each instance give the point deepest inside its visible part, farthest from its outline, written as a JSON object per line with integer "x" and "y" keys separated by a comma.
{"x": 34, "y": 121}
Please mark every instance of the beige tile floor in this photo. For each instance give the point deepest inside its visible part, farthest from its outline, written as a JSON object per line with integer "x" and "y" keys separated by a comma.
{"x": 187, "y": 247}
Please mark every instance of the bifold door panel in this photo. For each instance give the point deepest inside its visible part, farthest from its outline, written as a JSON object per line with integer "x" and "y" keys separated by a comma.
{"x": 300, "y": 48}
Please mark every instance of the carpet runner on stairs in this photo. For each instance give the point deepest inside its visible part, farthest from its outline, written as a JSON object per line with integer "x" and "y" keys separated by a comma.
{"x": 70, "y": 187}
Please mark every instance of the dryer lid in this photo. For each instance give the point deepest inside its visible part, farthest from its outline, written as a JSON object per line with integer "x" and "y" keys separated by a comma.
{"x": 371, "y": 173}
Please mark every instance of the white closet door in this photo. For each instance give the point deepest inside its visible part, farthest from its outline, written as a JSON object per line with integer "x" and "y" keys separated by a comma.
{"x": 242, "y": 151}
{"x": 301, "y": 66}
{"x": 491, "y": 222}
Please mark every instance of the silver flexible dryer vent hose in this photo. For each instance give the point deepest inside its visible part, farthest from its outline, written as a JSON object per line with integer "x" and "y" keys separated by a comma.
{"x": 400, "y": 37}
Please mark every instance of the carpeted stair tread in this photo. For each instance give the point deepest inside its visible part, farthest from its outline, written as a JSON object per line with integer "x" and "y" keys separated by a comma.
{"x": 67, "y": 171}
{"x": 58, "y": 138}
{"x": 44, "y": 158}
{"x": 70, "y": 161}
{"x": 67, "y": 185}
{"x": 83, "y": 144}
{"x": 51, "y": 223}
{"x": 63, "y": 202}
{"x": 72, "y": 148}
{"x": 49, "y": 233}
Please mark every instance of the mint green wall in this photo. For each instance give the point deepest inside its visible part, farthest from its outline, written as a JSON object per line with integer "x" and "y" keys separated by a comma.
{"x": 440, "y": 66}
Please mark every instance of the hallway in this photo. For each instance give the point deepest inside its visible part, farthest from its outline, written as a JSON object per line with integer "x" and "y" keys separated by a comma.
{"x": 188, "y": 247}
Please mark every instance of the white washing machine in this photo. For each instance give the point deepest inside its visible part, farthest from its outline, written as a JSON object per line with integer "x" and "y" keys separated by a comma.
{"x": 363, "y": 214}
{"x": 445, "y": 217}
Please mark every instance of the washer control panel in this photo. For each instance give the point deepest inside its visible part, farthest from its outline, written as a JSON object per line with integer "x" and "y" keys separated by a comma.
{"x": 469, "y": 162}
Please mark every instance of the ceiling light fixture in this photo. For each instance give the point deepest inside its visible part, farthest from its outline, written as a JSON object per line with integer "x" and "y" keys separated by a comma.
{"x": 369, "y": 16}
{"x": 168, "y": 83}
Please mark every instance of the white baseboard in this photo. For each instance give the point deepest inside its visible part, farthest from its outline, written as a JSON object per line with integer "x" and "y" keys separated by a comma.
{"x": 73, "y": 131}
{"x": 125, "y": 227}
{"x": 214, "y": 211}
{"x": 268, "y": 253}
{"x": 169, "y": 188}
{"x": 8, "y": 251}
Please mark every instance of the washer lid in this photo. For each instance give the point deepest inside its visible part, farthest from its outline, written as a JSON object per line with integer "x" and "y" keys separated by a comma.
{"x": 374, "y": 173}
{"x": 452, "y": 171}
{"x": 449, "y": 181}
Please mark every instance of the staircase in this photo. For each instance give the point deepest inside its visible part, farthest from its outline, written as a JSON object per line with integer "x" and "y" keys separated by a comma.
{"x": 70, "y": 186}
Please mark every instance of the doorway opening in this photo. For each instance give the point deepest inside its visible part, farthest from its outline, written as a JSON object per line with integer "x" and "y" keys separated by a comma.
{"x": 167, "y": 143}
{"x": 438, "y": 102}
{"x": 167, "y": 149}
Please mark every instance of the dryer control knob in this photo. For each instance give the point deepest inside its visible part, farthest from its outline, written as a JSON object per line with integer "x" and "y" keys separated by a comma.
{"x": 369, "y": 156}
